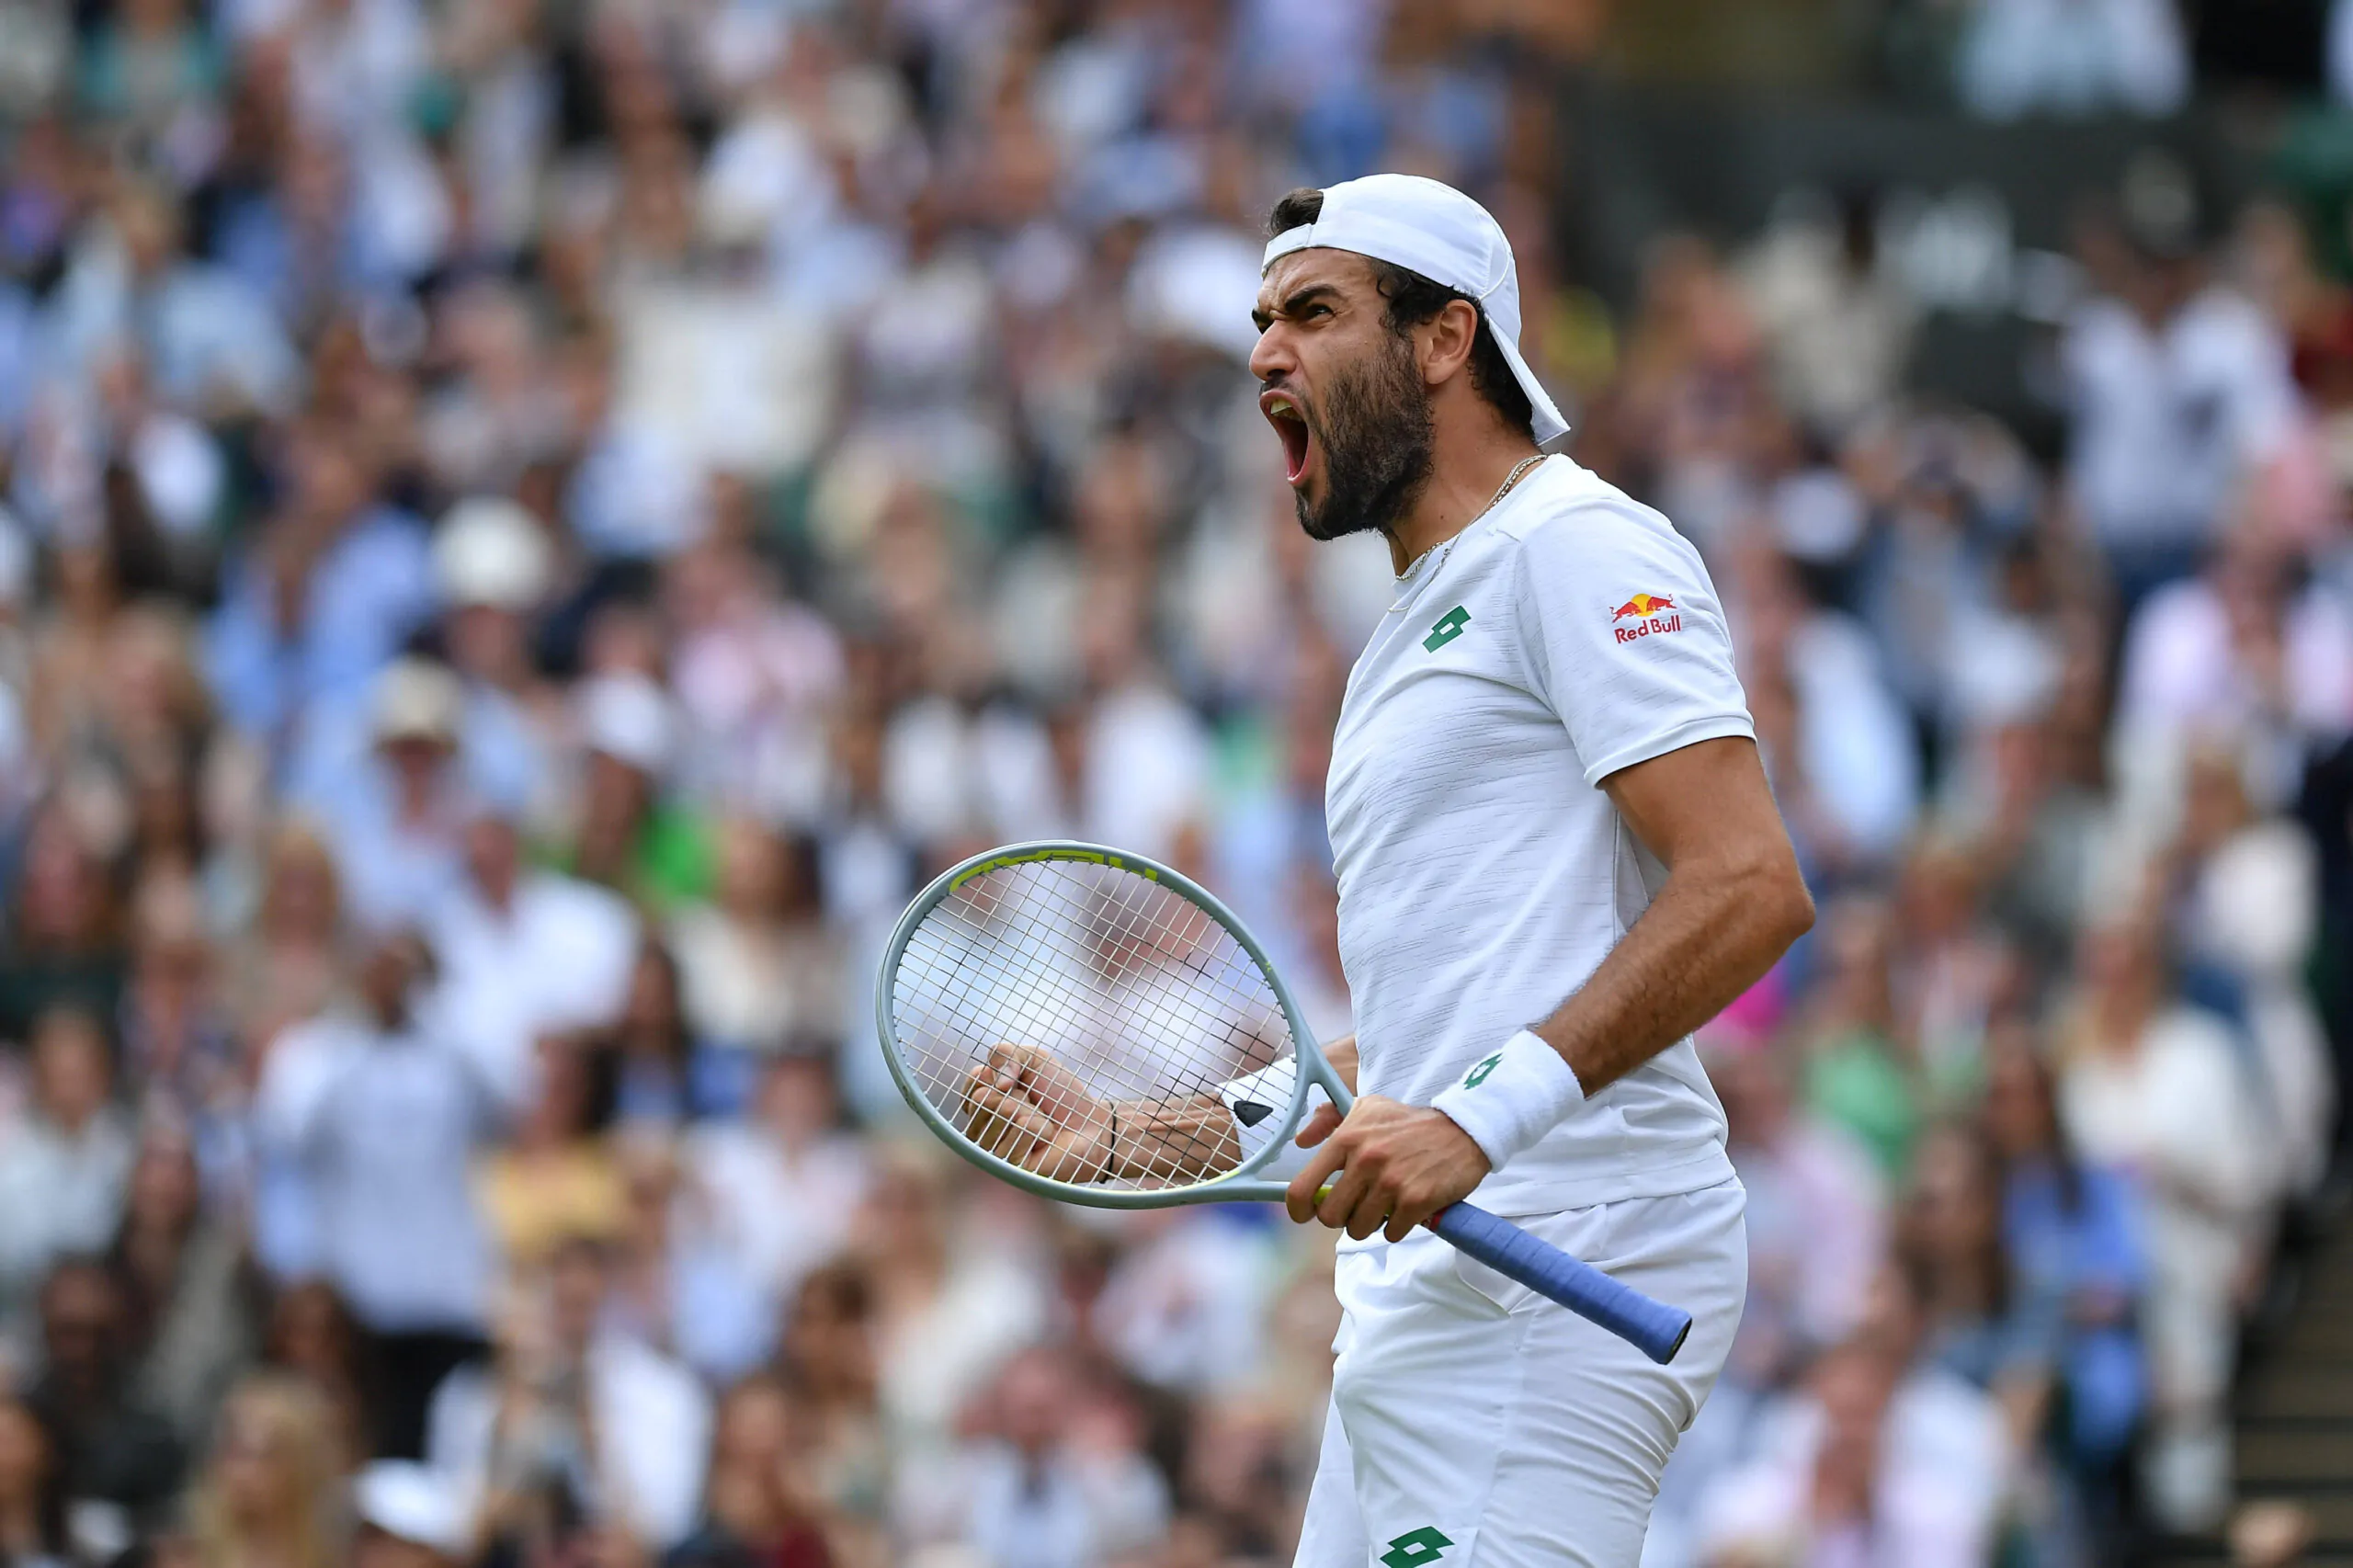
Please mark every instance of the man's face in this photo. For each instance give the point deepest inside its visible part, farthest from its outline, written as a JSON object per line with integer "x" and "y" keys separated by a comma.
{"x": 493, "y": 856}
{"x": 1343, "y": 391}
{"x": 78, "y": 1321}
{"x": 575, "y": 1294}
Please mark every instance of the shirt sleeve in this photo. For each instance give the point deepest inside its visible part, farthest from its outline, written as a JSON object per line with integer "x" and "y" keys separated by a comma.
{"x": 1624, "y": 636}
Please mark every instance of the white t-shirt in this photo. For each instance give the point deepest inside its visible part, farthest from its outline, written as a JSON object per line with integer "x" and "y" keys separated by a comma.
{"x": 1483, "y": 874}
{"x": 2169, "y": 421}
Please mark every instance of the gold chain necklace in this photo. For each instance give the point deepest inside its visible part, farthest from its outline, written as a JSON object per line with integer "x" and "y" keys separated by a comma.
{"x": 1521, "y": 467}
{"x": 1518, "y": 470}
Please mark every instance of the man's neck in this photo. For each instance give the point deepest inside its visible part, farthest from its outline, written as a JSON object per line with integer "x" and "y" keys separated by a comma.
{"x": 1466, "y": 471}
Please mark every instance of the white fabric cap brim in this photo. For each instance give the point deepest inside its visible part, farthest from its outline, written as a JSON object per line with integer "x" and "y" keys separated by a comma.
{"x": 1548, "y": 424}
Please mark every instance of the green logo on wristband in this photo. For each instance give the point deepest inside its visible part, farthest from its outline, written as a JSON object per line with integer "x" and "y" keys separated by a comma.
{"x": 1478, "y": 1075}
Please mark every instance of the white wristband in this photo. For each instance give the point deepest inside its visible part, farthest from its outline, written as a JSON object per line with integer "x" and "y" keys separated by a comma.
{"x": 1257, "y": 1102}
{"x": 1511, "y": 1097}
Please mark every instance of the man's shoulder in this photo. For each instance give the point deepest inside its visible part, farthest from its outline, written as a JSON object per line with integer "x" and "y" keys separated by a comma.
{"x": 1563, "y": 506}
{"x": 1579, "y": 536}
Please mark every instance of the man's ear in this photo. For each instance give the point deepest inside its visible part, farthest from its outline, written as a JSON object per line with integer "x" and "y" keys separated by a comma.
{"x": 1446, "y": 340}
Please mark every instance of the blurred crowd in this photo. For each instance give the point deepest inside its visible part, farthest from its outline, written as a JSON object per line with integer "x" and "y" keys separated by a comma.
{"x": 528, "y": 530}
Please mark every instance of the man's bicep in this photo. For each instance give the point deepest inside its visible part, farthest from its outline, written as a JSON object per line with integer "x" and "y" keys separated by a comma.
{"x": 1703, "y": 800}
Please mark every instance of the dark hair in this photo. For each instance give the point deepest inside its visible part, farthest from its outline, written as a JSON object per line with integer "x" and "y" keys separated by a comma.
{"x": 677, "y": 1043}
{"x": 1413, "y": 300}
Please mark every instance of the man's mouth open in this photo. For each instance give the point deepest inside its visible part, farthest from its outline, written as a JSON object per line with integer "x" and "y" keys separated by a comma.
{"x": 1291, "y": 425}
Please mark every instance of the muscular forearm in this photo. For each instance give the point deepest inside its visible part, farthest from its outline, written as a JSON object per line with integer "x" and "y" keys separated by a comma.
{"x": 1195, "y": 1138}
{"x": 1176, "y": 1140}
{"x": 1707, "y": 937}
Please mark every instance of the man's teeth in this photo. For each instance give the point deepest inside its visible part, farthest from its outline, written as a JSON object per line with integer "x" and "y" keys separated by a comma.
{"x": 1281, "y": 407}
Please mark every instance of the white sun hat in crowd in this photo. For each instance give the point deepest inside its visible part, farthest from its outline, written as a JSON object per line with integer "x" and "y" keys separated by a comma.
{"x": 492, "y": 551}
{"x": 417, "y": 699}
{"x": 414, "y": 1503}
{"x": 627, "y": 717}
{"x": 1425, "y": 226}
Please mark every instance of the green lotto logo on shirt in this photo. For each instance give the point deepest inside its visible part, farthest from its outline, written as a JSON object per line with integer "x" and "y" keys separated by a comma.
{"x": 1447, "y": 628}
{"x": 1415, "y": 1547}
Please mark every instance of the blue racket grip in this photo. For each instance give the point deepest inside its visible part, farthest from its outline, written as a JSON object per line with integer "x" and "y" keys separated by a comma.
{"x": 1656, "y": 1330}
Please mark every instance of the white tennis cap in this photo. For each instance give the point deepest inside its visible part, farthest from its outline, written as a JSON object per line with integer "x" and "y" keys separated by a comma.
{"x": 1433, "y": 229}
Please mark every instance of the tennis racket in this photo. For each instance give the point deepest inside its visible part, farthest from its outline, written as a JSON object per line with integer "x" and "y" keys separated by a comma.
{"x": 1075, "y": 1020}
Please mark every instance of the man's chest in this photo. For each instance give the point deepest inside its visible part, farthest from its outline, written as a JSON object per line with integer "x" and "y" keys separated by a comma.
{"x": 1440, "y": 725}
{"x": 403, "y": 1105}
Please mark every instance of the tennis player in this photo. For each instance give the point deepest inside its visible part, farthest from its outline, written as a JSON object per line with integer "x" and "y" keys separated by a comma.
{"x": 1557, "y": 857}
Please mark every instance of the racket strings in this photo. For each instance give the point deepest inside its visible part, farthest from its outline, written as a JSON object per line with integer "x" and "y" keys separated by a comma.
{"x": 1123, "y": 999}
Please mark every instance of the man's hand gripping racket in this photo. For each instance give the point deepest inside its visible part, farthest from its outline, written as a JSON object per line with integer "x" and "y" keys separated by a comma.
{"x": 1097, "y": 1028}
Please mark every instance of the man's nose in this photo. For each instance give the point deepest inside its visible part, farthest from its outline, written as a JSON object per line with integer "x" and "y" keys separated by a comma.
{"x": 1272, "y": 354}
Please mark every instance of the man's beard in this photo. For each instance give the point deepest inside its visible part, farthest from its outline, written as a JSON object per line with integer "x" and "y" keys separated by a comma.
{"x": 1377, "y": 436}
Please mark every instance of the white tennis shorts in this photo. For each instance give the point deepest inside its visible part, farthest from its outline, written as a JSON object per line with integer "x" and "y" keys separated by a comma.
{"x": 1476, "y": 1424}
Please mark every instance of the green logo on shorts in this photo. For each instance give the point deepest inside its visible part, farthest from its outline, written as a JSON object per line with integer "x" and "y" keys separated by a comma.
{"x": 1415, "y": 1548}
{"x": 1478, "y": 1075}
{"x": 1446, "y": 628}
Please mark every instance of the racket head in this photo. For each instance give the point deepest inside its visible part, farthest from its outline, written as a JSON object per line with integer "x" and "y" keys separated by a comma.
{"x": 1131, "y": 974}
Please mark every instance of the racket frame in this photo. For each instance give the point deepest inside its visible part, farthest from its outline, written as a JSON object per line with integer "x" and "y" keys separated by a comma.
{"x": 1242, "y": 1184}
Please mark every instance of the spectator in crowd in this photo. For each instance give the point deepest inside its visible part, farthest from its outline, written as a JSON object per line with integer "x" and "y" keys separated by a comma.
{"x": 946, "y": 1310}
{"x": 396, "y": 815}
{"x": 829, "y": 1356}
{"x": 111, "y": 1450}
{"x": 32, "y": 1492}
{"x": 577, "y": 1412}
{"x": 375, "y": 1120}
{"x": 65, "y": 946}
{"x": 66, "y": 1166}
{"x": 1858, "y": 1075}
{"x": 1057, "y": 1480}
{"x": 189, "y": 1294}
{"x": 525, "y": 953}
{"x": 495, "y": 567}
{"x": 1817, "y": 1213}
{"x": 2154, "y": 1086}
{"x": 2244, "y": 901}
{"x": 629, "y": 835}
{"x": 757, "y": 1505}
{"x": 2026, "y": 57}
{"x": 290, "y": 963}
{"x": 1843, "y": 1488}
{"x": 559, "y": 1177}
{"x": 2073, "y": 1242}
{"x": 1980, "y": 1326}
{"x": 784, "y": 1184}
{"x": 677, "y": 1285}
{"x": 759, "y": 969}
{"x": 662, "y": 1077}
{"x": 2179, "y": 385}
{"x": 335, "y": 582}
{"x": 272, "y": 1486}
{"x": 179, "y": 1045}
{"x": 310, "y": 1334}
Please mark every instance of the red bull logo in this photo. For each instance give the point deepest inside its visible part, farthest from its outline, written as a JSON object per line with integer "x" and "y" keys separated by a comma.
{"x": 1652, "y": 615}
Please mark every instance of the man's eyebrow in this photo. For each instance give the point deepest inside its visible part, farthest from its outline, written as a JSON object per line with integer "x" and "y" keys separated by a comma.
{"x": 1298, "y": 300}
